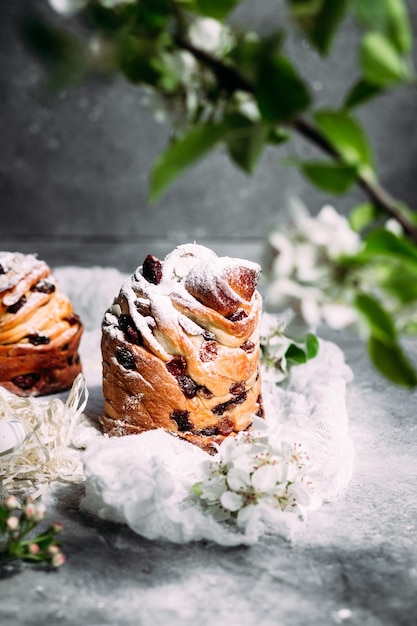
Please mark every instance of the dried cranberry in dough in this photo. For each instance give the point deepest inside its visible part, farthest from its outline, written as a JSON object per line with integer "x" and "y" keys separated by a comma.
{"x": 14, "y": 308}
{"x": 44, "y": 286}
{"x": 125, "y": 358}
{"x": 152, "y": 269}
{"x": 25, "y": 381}
{"x": 182, "y": 420}
{"x": 129, "y": 329}
{"x": 248, "y": 347}
{"x": 237, "y": 316}
{"x": 225, "y": 426}
{"x": 238, "y": 388}
{"x": 177, "y": 366}
{"x": 188, "y": 386}
{"x": 38, "y": 340}
{"x": 208, "y": 351}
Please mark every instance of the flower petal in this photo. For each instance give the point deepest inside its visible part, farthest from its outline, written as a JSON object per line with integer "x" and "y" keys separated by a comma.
{"x": 238, "y": 479}
{"x": 265, "y": 477}
{"x": 231, "y": 501}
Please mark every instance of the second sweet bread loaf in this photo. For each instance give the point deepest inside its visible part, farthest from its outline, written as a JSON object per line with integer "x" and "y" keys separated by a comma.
{"x": 39, "y": 330}
{"x": 180, "y": 348}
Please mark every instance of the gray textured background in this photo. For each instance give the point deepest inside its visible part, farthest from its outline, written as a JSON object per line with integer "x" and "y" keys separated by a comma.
{"x": 74, "y": 169}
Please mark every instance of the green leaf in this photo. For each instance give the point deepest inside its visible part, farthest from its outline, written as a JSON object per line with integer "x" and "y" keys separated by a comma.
{"x": 381, "y": 63}
{"x": 363, "y": 215}
{"x": 377, "y": 319}
{"x": 277, "y": 135}
{"x": 181, "y": 154}
{"x": 148, "y": 17}
{"x": 401, "y": 282}
{"x": 196, "y": 488}
{"x": 329, "y": 176}
{"x": 312, "y": 346}
{"x": 392, "y": 362}
{"x": 360, "y": 93}
{"x": 370, "y": 14}
{"x": 280, "y": 92}
{"x": 385, "y": 242}
{"x": 137, "y": 59}
{"x": 249, "y": 51}
{"x": 295, "y": 354}
{"x": 218, "y": 9}
{"x": 398, "y": 27}
{"x": 346, "y": 136}
{"x": 319, "y": 19}
{"x": 389, "y": 17}
{"x": 245, "y": 140}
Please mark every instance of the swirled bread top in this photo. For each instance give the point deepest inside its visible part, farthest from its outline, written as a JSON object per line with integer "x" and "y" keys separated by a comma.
{"x": 30, "y": 304}
{"x": 193, "y": 291}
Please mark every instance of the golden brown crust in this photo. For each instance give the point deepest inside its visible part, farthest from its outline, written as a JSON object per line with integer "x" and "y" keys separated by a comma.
{"x": 172, "y": 361}
{"x": 39, "y": 331}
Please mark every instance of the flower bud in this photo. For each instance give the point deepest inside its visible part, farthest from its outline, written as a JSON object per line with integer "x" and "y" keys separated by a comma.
{"x": 58, "y": 559}
{"x": 34, "y": 512}
{"x": 13, "y": 523}
{"x": 56, "y": 528}
{"x": 29, "y": 510}
{"x": 11, "y": 502}
{"x": 34, "y": 548}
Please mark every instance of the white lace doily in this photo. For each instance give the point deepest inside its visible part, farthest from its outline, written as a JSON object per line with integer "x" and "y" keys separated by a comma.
{"x": 144, "y": 481}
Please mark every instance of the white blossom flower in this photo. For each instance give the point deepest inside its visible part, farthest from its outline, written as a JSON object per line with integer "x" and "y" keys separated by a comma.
{"x": 246, "y": 104}
{"x": 67, "y": 7}
{"x": 211, "y": 36}
{"x": 305, "y": 269}
{"x": 254, "y": 476}
{"x": 213, "y": 488}
{"x": 338, "y": 315}
{"x": 330, "y": 230}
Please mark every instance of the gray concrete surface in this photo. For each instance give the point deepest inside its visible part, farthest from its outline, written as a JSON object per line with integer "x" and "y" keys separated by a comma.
{"x": 354, "y": 563}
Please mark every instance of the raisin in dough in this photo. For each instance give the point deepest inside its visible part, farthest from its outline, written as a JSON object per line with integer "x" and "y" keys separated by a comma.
{"x": 39, "y": 330}
{"x": 180, "y": 348}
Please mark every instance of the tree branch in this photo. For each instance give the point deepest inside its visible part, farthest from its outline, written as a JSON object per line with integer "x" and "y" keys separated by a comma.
{"x": 232, "y": 80}
{"x": 373, "y": 189}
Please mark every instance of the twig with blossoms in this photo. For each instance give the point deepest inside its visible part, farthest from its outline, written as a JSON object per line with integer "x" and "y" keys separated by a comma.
{"x": 257, "y": 475}
{"x": 17, "y": 521}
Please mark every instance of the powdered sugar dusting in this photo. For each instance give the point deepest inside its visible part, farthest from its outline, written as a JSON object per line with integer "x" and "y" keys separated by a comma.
{"x": 186, "y": 266}
{"x": 14, "y": 267}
